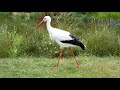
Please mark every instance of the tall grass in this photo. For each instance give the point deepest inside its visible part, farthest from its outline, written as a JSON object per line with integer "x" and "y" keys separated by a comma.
{"x": 20, "y": 37}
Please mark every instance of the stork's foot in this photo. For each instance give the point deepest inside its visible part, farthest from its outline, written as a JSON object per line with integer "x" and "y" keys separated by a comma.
{"x": 78, "y": 65}
{"x": 57, "y": 66}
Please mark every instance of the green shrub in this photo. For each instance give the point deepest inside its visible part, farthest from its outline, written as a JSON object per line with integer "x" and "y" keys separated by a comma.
{"x": 103, "y": 42}
{"x": 16, "y": 40}
{"x": 5, "y": 40}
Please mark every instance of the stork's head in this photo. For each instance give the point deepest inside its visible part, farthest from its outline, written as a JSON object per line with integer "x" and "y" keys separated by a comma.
{"x": 45, "y": 19}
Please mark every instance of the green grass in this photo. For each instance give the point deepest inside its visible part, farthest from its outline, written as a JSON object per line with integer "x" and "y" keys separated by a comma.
{"x": 42, "y": 67}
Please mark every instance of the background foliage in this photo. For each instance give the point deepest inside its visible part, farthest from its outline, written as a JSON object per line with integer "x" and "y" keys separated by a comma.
{"x": 99, "y": 31}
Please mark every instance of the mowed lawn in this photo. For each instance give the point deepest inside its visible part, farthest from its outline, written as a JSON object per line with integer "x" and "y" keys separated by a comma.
{"x": 43, "y": 67}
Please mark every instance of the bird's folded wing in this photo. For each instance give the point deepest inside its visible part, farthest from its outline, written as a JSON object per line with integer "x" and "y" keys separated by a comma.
{"x": 62, "y": 37}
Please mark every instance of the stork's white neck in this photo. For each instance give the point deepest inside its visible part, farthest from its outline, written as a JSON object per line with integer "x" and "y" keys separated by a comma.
{"x": 48, "y": 26}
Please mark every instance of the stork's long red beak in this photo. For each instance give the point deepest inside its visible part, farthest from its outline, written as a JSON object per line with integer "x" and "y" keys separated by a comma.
{"x": 39, "y": 23}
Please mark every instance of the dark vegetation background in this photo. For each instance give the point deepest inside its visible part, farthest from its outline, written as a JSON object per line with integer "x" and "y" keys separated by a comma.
{"x": 19, "y": 37}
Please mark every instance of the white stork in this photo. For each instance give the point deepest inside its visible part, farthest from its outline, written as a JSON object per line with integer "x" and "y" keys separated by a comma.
{"x": 63, "y": 38}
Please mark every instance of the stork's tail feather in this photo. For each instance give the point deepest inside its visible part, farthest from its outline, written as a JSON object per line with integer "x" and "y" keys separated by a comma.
{"x": 77, "y": 42}
{"x": 74, "y": 41}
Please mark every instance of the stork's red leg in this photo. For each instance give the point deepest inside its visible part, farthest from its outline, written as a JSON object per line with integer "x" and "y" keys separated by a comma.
{"x": 78, "y": 65}
{"x": 59, "y": 58}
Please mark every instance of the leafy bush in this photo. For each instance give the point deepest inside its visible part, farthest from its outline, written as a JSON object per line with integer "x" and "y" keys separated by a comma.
{"x": 16, "y": 40}
{"x": 5, "y": 40}
{"x": 103, "y": 42}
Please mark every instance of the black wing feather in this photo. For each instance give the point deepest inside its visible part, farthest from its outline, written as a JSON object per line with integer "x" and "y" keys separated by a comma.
{"x": 75, "y": 41}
